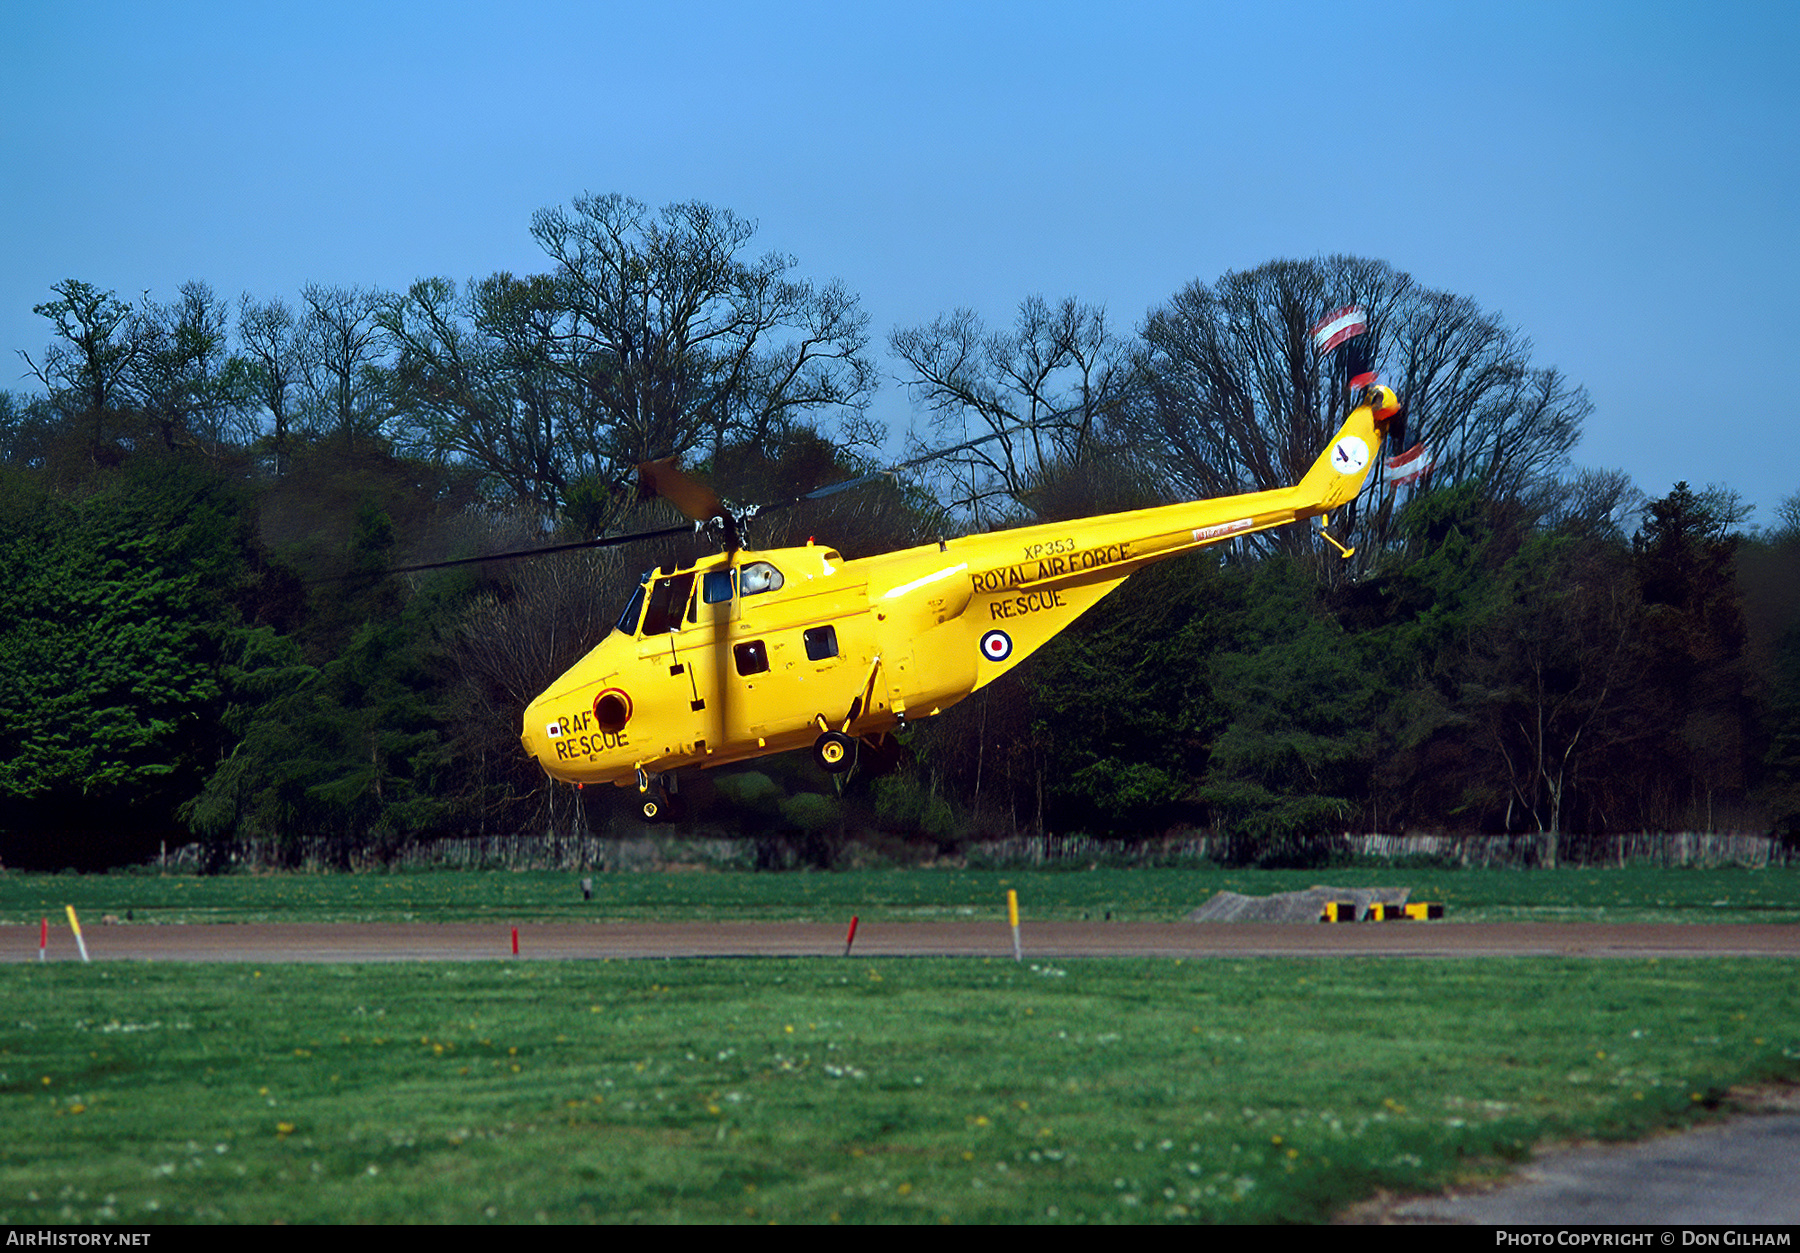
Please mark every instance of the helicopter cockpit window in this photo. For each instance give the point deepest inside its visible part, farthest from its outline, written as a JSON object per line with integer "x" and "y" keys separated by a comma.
{"x": 715, "y": 586}
{"x": 633, "y": 608}
{"x": 758, "y": 576}
{"x": 668, "y": 602}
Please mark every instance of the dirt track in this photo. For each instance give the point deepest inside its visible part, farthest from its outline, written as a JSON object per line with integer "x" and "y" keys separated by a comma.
{"x": 461, "y": 942}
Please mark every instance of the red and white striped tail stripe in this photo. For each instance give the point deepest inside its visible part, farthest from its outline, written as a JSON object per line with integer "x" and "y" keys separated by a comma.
{"x": 1409, "y": 466}
{"x": 1346, "y": 323}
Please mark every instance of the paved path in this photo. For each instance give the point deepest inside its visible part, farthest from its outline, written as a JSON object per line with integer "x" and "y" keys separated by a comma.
{"x": 1744, "y": 1172}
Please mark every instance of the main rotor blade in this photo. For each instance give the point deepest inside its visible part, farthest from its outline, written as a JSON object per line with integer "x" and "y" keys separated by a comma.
{"x": 691, "y": 496}
{"x": 892, "y": 472}
{"x": 605, "y": 541}
{"x": 935, "y": 453}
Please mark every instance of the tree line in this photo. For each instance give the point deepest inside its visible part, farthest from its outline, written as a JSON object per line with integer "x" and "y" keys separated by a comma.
{"x": 199, "y": 499}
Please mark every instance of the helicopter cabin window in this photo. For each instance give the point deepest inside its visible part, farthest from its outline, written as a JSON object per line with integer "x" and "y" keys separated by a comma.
{"x": 715, "y": 586}
{"x": 668, "y": 602}
{"x": 758, "y": 576}
{"x": 752, "y": 657}
{"x": 821, "y": 643}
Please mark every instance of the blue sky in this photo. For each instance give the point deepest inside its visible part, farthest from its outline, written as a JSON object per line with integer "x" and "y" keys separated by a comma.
{"x": 1620, "y": 181}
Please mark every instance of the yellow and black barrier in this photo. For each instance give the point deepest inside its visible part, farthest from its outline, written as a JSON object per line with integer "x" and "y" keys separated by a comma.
{"x": 1423, "y": 911}
{"x": 1345, "y": 911}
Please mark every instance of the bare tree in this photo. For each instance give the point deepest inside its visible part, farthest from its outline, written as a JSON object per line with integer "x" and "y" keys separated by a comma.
{"x": 1787, "y": 519}
{"x": 273, "y": 347}
{"x": 1046, "y": 390}
{"x": 651, "y": 336}
{"x": 185, "y": 380}
{"x": 1598, "y": 503}
{"x": 167, "y": 366}
{"x": 672, "y": 339}
{"x": 87, "y": 371}
{"x": 475, "y": 376}
{"x": 341, "y": 361}
{"x": 1237, "y": 399}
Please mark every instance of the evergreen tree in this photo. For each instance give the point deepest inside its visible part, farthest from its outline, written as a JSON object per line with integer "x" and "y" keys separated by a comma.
{"x": 1122, "y": 704}
{"x": 1685, "y": 557}
{"x": 119, "y": 616}
{"x": 1294, "y": 760}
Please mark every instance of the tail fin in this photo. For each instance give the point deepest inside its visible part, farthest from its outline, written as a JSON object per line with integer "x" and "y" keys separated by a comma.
{"x": 1342, "y": 469}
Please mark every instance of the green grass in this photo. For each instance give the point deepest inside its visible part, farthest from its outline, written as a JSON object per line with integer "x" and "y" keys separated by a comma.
{"x": 1635, "y": 894}
{"x": 858, "y": 1090}
{"x": 854, "y": 1090}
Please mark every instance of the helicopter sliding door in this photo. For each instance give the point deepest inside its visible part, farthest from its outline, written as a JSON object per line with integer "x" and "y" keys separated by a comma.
{"x": 672, "y": 654}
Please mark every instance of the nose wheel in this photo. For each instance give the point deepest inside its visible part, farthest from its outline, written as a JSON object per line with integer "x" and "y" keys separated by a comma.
{"x": 834, "y": 751}
{"x": 658, "y": 798}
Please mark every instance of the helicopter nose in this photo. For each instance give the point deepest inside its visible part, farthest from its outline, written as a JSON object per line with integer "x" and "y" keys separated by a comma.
{"x": 541, "y": 732}
{"x": 533, "y": 736}
{"x": 576, "y": 740}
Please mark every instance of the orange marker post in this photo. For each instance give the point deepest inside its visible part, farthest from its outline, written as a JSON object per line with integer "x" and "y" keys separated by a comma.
{"x": 851, "y": 938}
{"x": 1012, "y": 916}
{"x": 43, "y": 939}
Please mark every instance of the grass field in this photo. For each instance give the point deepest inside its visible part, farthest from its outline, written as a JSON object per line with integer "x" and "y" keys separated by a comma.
{"x": 859, "y": 1090}
{"x": 1636, "y": 894}
{"x": 826, "y": 1090}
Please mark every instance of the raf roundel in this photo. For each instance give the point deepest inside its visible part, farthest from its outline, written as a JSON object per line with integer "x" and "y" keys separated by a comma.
{"x": 996, "y": 646}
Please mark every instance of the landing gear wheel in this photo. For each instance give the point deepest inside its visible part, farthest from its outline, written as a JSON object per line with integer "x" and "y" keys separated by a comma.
{"x": 661, "y": 806}
{"x": 659, "y": 799}
{"x": 659, "y": 796}
{"x": 835, "y": 752}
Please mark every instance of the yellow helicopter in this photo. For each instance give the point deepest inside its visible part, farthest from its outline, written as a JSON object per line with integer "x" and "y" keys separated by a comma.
{"x": 749, "y": 653}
